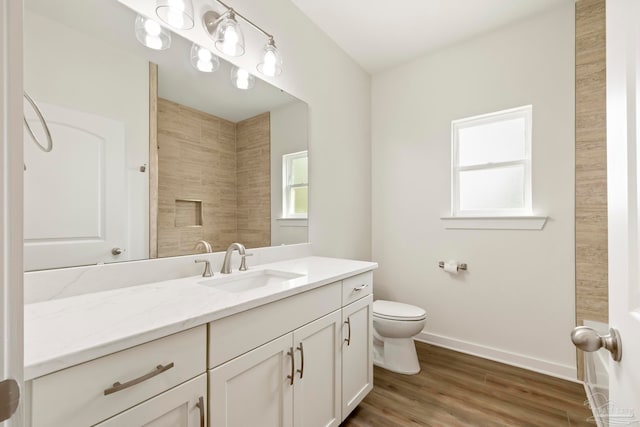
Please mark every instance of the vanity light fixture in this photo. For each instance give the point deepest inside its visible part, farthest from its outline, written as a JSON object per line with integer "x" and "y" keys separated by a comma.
{"x": 151, "y": 34}
{"x": 177, "y": 14}
{"x": 203, "y": 60}
{"x": 271, "y": 64}
{"x": 229, "y": 39}
{"x": 242, "y": 79}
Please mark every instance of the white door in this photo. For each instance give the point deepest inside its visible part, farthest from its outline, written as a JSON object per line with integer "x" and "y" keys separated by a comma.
{"x": 255, "y": 389}
{"x": 182, "y": 406}
{"x": 357, "y": 353}
{"x": 75, "y": 196}
{"x": 316, "y": 393}
{"x": 11, "y": 360}
{"x": 623, "y": 151}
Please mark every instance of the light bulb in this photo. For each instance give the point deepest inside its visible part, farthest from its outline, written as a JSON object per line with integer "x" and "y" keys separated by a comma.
{"x": 153, "y": 42}
{"x": 151, "y": 34}
{"x": 204, "y": 55}
{"x": 241, "y": 78}
{"x": 203, "y": 60}
{"x": 269, "y": 66}
{"x": 152, "y": 28}
{"x": 230, "y": 43}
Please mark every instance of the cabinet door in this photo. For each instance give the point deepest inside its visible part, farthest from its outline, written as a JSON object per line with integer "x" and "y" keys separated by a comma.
{"x": 254, "y": 389}
{"x": 317, "y": 389}
{"x": 357, "y": 362}
{"x": 182, "y": 406}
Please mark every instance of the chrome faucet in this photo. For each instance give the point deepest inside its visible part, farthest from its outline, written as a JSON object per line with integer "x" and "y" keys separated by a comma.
{"x": 226, "y": 264}
{"x": 207, "y": 267}
{"x": 205, "y": 245}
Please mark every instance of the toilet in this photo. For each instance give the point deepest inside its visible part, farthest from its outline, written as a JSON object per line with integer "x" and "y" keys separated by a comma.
{"x": 394, "y": 326}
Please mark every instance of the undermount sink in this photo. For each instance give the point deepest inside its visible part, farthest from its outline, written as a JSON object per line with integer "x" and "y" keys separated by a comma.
{"x": 244, "y": 281}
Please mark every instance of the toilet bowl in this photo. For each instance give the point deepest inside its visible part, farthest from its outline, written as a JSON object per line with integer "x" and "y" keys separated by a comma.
{"x": 394, "y": 326}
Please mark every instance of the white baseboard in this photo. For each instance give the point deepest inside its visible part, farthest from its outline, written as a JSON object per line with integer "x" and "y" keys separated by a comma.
{"x": 565, "y": 372}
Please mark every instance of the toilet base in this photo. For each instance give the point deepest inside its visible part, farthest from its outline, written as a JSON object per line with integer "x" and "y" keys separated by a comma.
{"x": 396, "y": 355}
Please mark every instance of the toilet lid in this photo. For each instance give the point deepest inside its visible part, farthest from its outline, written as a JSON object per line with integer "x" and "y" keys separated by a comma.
{"x": 397, "y": 311}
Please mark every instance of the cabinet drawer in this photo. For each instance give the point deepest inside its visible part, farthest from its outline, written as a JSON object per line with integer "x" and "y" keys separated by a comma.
{"x": 356, "y": 287}
{"x": 232, "y": 336}
{"x": 76, "y": 396}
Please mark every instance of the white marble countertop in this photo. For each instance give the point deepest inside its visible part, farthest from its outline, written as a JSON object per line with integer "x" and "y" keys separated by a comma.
{"x": 64, "y": 332}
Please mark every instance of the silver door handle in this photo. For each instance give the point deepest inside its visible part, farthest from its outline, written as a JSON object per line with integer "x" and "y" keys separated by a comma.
{"x": 117, "y": 251}
{"x": 588, "y": 339}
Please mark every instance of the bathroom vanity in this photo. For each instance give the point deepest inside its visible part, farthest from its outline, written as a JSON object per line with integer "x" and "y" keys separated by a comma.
{"x": 282, "y": 344}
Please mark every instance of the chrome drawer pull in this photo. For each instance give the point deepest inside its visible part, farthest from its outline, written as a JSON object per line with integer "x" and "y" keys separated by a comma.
{"x": 200, "y": 406}
{"x": 301, "y": 370}
{"x": 293, "y": 365}
{"x": 348, "y": 339}
{"x": 359, "y": 288}
{"x": 117, "y": 386}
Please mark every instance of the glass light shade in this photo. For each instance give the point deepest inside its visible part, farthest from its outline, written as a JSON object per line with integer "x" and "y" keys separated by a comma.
{"x": 151, "y": 34}
{"x": 228, "y": 37}
{"x": 203, "y": 60}
{"x": 271, "y": 64}
{"x": 177, "y": 14}
{"x": 242, "y": 79}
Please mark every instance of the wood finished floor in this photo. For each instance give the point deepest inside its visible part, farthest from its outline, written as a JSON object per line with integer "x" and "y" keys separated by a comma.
{"x": 455, "y": 389}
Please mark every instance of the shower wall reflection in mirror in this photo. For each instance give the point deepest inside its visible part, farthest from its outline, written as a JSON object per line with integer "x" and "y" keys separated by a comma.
{"x": 150, "y": 155}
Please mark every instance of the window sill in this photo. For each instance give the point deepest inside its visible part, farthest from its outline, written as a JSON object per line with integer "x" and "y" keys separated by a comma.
{"x": 292, "y": 222}
{"x": 494, "y": 222}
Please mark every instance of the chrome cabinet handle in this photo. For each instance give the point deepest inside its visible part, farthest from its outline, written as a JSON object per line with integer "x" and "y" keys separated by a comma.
{"x": 200, "y": 406}
{"x": 117, "y": 386}
{"x": 348, "y": 339}
{"x": 587, "y": 339}
{"x": 301, "y": 370}
{"x": 359, "y": 288}
{"x": 293, "y": 367}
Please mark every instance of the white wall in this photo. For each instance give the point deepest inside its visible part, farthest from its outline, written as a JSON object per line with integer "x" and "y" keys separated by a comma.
{"x": 289, "y": 130}
{"x": 516, "y": 302}
{"x": 57, "y": 61}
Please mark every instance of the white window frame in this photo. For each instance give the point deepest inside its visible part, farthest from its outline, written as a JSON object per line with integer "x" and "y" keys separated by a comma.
{"x": 525, "y": 112}
{"x": 287, "y": 160}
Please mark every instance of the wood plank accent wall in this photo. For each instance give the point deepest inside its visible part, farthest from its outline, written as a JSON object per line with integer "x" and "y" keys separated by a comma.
{"x": 196, "y": 161}
{"x": 591, "y": 165}
{"x": 253, "y": 148}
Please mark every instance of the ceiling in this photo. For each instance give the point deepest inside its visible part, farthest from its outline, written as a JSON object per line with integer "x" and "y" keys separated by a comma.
{"x": 381, "y": 34}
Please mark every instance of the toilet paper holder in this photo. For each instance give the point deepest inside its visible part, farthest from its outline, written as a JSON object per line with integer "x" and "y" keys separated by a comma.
{"x": 461, "y": 266}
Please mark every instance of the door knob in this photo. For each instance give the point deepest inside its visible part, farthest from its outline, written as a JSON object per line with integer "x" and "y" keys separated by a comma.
{"x": 587, "y": 339}
{"x": 117, "y": 251}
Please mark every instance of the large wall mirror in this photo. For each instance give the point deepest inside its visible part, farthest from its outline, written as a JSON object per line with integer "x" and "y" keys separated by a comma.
{"x": 150, "y": 156}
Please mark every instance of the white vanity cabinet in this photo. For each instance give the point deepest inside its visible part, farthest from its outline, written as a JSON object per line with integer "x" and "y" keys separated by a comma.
{"x": 182, "y": 406}
{"x": 264, "y": 373}
{"x": 293, "y": 380}
{"x": 94, "y": 391}
{"x": 357, "y": 353}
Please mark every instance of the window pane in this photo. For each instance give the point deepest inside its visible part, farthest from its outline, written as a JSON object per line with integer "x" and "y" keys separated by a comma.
{"x": 299, "y": 170}
{"x": 299, "y": 199}
{"x": 501, "y": 141}
{"x": 492, "y": 189}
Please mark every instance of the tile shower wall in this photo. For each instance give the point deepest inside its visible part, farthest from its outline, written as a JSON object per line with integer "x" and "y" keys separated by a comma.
{"x": 211, "y": 187}
{"x": 253, "y": 175}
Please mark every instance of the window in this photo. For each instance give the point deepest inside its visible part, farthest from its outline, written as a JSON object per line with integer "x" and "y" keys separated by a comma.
{"x": 491, "y": 170}
{"x": 295, "y": 180}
